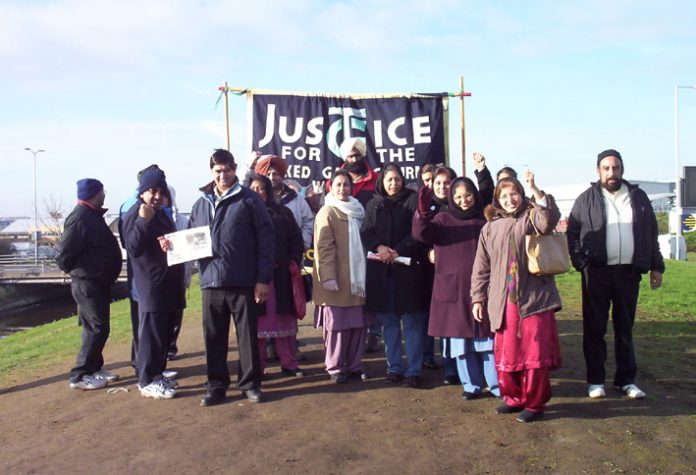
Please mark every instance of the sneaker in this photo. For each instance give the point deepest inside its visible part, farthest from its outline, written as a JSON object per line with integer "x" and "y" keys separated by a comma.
{"x": 632, "y": 391}
{"x": 468, "y": 396}
{"x": 105, "y": 375}
{"x": 157, "y": 390}
{"x": 253, "y": 395}
{"x": 596, "y": 391}
{"x": 339, "y": 378}
{"x": 170, "y": 383}
{"x": 169, "y": 374}
{"x": 89, "y": 382}
{"x": 529, "y": 416}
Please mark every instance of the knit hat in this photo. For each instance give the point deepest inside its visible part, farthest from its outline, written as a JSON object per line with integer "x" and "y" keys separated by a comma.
{"x": 609, "y": 153}
{"x": 88, "y": 187}
{"x": 353, "y": 143}
{"x": 152, "y": 179}
{"x": 271, "y": 161}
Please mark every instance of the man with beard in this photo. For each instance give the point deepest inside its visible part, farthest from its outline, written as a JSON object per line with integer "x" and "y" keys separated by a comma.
{"x": 612, "y": 239}
{"x": 275, "y": 168}
{"x": 89, "y": 252}
{"x": 353, "y": 152}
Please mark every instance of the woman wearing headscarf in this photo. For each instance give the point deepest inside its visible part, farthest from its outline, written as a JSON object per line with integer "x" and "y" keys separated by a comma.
{"x": 277, "y": 315}
{"x": 339, "y": 280}
{"x": 454, "y": 233}
{"x": 521, "y": 306}
{"x": 396, "y": 290}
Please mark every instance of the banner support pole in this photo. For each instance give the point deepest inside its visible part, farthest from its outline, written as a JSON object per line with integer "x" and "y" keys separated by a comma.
{"x": 227, "y": 118}
{"x": 461, "y": 101}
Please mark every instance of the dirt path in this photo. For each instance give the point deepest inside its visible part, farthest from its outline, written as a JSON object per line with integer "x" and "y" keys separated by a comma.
{"x": 309, "y": 425}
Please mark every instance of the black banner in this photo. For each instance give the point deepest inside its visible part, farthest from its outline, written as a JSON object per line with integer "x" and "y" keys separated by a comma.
{"x": 307, "y": 131}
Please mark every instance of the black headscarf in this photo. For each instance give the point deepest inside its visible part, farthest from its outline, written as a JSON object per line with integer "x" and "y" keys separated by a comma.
{"x": 398, "y": 198}
{"x": 268, "y": 186}
{"x": 475, "y": 211}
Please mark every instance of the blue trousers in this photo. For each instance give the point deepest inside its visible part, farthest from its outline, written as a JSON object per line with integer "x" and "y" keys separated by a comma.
{"x": 473, "y": 367}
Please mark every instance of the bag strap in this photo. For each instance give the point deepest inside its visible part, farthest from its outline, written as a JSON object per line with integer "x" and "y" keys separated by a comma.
{"x": 531, "y": 220}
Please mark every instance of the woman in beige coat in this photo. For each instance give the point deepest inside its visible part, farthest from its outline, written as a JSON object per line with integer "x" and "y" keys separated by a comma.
{"x": 339, "y": 277}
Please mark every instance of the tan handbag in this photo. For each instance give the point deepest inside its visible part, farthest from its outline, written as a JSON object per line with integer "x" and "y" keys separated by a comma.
{"x": 547, "y": 254}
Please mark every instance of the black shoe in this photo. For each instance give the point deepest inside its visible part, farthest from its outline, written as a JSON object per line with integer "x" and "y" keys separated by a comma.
{"x": 412, "y": 382}
{"x": 451, "y": 380}
{"x": 430, "y": 365}
{"x": 213, "y": 398}
{"x": 361, "y": 375}
{"x": 467, "y": 396}
{"x": 505, "y": 409}
{"x": 253, "y": 395}
{"x": 171, "y": 356}
{"x": 529, "y": 416}
{"x": 339, "y": 378}
{"x": 393, "y": 378}
{"x": 297, "y": 372}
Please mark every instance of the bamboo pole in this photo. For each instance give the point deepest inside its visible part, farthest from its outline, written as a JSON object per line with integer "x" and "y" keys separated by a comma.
{"x": 227, "y": 117}
{"x": 461, "y": 101}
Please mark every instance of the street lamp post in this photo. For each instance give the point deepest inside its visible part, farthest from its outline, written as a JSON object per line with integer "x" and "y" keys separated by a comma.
{"x": 36, "y": 214}
{"x": 677, "y": 190}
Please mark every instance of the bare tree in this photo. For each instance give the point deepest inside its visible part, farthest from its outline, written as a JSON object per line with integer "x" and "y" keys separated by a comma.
{"x": 54, "y": 223}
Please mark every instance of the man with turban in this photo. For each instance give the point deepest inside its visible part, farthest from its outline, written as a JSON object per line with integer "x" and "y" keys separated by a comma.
{"x": 275, "y": 168}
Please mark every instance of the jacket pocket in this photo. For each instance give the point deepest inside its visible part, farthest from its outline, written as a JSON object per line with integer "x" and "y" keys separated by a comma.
{"x": 446, "y": 287}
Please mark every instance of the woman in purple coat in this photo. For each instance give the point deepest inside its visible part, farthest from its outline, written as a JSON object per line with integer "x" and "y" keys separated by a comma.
{"x": 454, "y": 234}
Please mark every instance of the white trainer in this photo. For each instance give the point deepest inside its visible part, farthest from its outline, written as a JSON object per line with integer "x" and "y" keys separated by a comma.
{"x": 88, "y": 383}
{"x": 170, "y": 383}
{"x": 106, "y": 375}
{"x": 596, "y": 391}
{"x": 632, "y": 391}
{"x": 157, "y": 390}
{"x": 169, "y": 374}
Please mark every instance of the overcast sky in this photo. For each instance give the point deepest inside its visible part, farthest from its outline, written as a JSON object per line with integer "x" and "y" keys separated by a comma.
{"x": 109, "y": 87}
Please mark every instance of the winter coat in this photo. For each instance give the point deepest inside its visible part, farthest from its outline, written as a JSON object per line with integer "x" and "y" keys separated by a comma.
{"x": 301, "y": 213}
{"x": 391, "y": 226}
{"x": 88, "y": 249}
{"x": 455, "y": 242}
{"x": 242, "y": 235}
{"x": 331, "y": 259}
{"x": 535, "y": 294}
{"x": 160, "y": 288}
{"x": 288, "y": 246}
{"x": 587, "y": 230}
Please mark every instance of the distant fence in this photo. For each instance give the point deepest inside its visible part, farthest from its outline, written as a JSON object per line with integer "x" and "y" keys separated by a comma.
{"x": 25, "y": 270}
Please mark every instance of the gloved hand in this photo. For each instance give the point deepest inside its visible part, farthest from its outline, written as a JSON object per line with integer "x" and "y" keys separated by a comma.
{"x": 330, "y": 285}
{"x": 425, "y": 196}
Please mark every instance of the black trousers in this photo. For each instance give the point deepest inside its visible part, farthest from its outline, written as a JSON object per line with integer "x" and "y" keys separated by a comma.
{"x": 153, "y": 336}
{"x": 135, "y": 327}
{"x": 174, "y": 330}
{"x": 93, "y": 299}
{"x": 602, "y": 287}
{"x": 219, "y": 307}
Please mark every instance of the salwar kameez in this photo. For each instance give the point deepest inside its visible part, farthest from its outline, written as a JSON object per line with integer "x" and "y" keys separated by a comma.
{"x": 282, "y": 328}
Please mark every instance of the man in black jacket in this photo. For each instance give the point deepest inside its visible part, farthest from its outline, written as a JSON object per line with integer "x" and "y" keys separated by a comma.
{"x": 89, "y": 252}
{"x": 612, "y": 239}
{"x": 236, "y": 276}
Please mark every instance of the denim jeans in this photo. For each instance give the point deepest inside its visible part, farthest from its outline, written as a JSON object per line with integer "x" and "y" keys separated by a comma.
{"x": 413, "y": 334}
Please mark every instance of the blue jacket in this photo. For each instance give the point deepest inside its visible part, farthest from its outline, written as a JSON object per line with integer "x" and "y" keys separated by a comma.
{"x": 243, "y": 238}
{"x": 160, "y": 288}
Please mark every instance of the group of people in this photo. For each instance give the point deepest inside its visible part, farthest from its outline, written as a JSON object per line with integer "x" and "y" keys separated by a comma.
{"x": 446, "y": 260}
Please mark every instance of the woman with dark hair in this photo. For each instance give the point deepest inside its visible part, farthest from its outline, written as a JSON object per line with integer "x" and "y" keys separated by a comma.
{"x": 454, "y": 233}
{"x": 521, "y": 306}
{"x": 395, "y": 286}
{"x": 339, "y": 280}
{"x": 277, "y": 316}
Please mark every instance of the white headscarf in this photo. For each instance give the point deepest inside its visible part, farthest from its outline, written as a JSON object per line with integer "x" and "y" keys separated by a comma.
{"x": 356, "y": 254}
